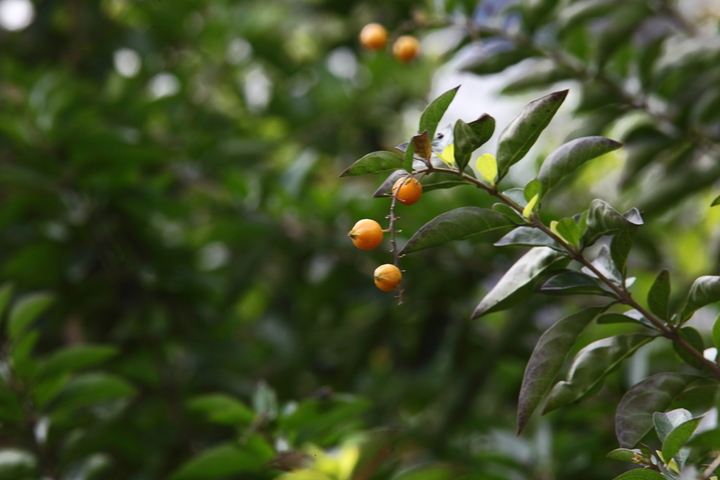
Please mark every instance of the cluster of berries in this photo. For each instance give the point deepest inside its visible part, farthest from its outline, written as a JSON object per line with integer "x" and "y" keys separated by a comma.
{"x": 374, "y": 37}
{"x": 368, "y": 234}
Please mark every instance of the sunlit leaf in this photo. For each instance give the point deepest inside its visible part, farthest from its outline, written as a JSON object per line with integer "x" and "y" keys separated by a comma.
{"x": 530, "y": 207}
{"x": 456, "y": 224}
{"x": 487, "y": 166}
{"x": 517, "y": 138}
{"x": 591, "y": 365}
{"x": 704, "y": 291}
{"x": 375, "y": 162}
{"x": 570, "y": 157}
{"x": 665, "y": 422}
{"x": 547, "y": 359}
{"x": 533, "y": 187}
{"x": 676, "y": 439}
{"x": 468, "y": 137}
{"x": 602, "y": 219}
{"x": 516, "y": 285}
{"x": 624, "y": 454}
{"x": 634, "y": 416}
{"x": 570, "y": 230}
{"x": 434, "y": 112}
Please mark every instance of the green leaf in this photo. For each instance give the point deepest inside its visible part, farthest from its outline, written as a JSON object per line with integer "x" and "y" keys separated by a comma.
{"x": 531, "y": 207}
{"x": 522, "y": 133}
{"x": 602, "y": 219}
{"x": 11, "y": 409}
{"x": 517, "y": 195}
{"x": 640, "y": 474}
{"x": 386, "y": 187}
{"x": 47, "y": 390}
{"x": 528, "y": 237}
{"x": 434, "y": 112}
{"x": 624, "y": 454}
{"x": 570, "y": 230}
{"x": 409, "y": 157}
{"x": 677, "y": 438}
{"x": 605, "y": 265}
{"x": 542, "y": 74}
{"x": 547, "y": 359}
{"x": 76, "y": 357}
{"x": 581, "y": 11}
{"x": 570, "y": 157}
{"x": 517, "y": 284}
{"x": 508, "y": 212}
{"x": 620, "y": 248}
{"x": 715, "y": 202}
{"x": 571, "y": 282}
{"x": 25, "y": 310}
{"x": 634, "y": 416}
{"x": 17, "y": 464}
{"x": 468, "y": 137}
{"x": 704, "y": 291}
{"x": 591, "y": 365}
{"x": 375, "y": 162}
{"x": 91, "y": 388}
{"x": 533, "y": 187}
{"x": 223, "y": 460}
{"x": 716, "y": 333}
{"x": 693, "y": 337}
{"x": 265, "y": 401}
{"x": 222, "y": 408}
{"x": 456, "y": 224}
{"x": 666, "y": 422}
{"x": 436, "y": 181}
{"x": 659, "y": 295}
{"x": 631, "y": 316}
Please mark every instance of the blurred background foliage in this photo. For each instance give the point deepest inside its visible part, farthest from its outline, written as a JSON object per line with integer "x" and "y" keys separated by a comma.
{"x": 168, "y": 176}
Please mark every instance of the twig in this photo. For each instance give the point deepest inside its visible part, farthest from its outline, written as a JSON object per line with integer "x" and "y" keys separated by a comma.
{"x": 707, "y": 473}
{"x": 393, "y": 239}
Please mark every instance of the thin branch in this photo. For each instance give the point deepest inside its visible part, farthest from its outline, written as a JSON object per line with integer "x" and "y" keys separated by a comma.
{"x": 708, "y": 472}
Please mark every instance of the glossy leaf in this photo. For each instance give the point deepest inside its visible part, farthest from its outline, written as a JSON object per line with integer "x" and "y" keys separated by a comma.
{"x": 602, "y": 219}
{"x": 25, "y": 310}
{"x": 386, "y": 187}
{"x": 640, "y": 474}
{"x": 375, "y": 162}
{"x": 517, "y": 195}
{"x": 528, "y": 237}
{"x": 659, "y": 295}
{"x": 547, "y": 359}
{"x": 677, "y": 438}
{"x": 531, "y": 206}
{"x": 665, "y": 422}
{"x": 468, "y": 137}
{"x": 508, "y": 212}
{"x": 704, "y": 291}
{"x": 456, "y": 224}
{"x": 516, "y": 285}
{"x": 693, "y": 337}
{"x": 223, "y": 460}
{"x": 437, "y": 181}
{"x": 222, "y": 408}
{"x": 604, "y": 264}
{"x": 518, "y": 137}
{"x": 634, "y": 416}
{"x": 572, "y": 282}
{"x": 76, "y": 357}
{"x": 631, "y": 316}
{"x": 434, "y": 112}
{"x": 570, "y": 157}
{"x": 591, "y": 365}
{"x": 409, "y": 157}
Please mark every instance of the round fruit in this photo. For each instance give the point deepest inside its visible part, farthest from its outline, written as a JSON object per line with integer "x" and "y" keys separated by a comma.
{"x": 387, "y": 277}
{"x": 409, "y": 190}
{"x": 373, "y": 36}
{"x": 366, "y": 234}
{"x": 406, "y": 48}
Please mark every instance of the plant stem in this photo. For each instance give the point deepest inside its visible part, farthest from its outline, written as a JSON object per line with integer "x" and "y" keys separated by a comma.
{"x": 393, "y": 239}
{"x": 625, "y": 297}
{"x": 707, "y": 473}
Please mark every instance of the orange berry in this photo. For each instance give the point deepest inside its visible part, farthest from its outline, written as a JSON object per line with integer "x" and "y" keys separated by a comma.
{"x": 373, "y": 36}
{"x": 406, "y": 48}
{"x": 366, "y": 234}
{"x": 409, "y": 190}
{"x": 387, "y": 277}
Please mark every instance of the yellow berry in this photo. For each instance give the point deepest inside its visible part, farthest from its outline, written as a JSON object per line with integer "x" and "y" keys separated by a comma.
{"x": 373, "y": 36}
{"x": 406, "y": 48}
{"x": 366, "y": 234}
{"x": 387, "y": 277}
